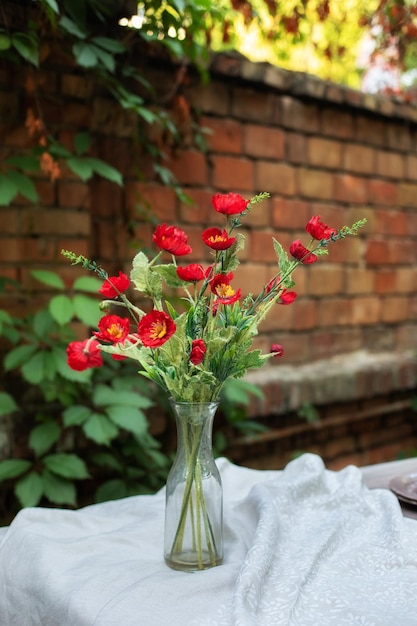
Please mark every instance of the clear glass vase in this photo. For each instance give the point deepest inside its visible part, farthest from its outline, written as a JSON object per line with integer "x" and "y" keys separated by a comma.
{"x": 194, "y": 495}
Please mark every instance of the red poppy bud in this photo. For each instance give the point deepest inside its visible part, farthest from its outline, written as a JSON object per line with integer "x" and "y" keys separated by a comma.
{"x": 277, "y": 350}
{"x": 318, "y": 230}
{"x": 198, "y": 351}
{"x": 84, "y": 354}
{"x": 301, "y": 253}
{"x": 229, "y": 203}
{"x": 114, "y": 285}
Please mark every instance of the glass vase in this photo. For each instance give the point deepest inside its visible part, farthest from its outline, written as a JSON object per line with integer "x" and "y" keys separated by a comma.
{"x": 194, "y": 495}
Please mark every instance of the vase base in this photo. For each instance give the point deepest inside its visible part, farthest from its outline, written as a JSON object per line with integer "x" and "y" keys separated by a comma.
{"x": 189, "y": 561}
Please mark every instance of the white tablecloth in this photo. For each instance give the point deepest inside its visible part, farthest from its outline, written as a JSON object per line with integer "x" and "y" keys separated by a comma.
{"x": 303, "y": 547}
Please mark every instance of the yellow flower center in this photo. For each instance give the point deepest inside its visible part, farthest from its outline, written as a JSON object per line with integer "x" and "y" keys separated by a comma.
{"x": 217, "y": 238}
{"x": 115, "y": 331}
{"x": 224, "y": 290}
{"x": 158, "y": 330}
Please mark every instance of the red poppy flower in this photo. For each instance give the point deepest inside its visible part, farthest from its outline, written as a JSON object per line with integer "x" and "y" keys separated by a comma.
{"x": 274, "y": 282}
{"x": 191, "y": 273}
{"x": 277, "y": 350}
{"x": 287, "y": 297}
{"x": 301, "y": 253}
{"x": 84, "y": 354}
{"x": 155, "y": 328}
{"x": 171, "y": 239}
{"x": 229, "y": 203}
{"x": 198, "y": 351}
{"x": 319, "y": 230}
{"x": 220, "y": 285}
{"x": 217, "y": 239}
{"x": 114, "y": 285}
{"x": 113, "y": 328}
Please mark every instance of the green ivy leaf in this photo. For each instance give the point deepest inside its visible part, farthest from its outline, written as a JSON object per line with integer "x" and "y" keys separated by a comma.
{"x": 129, "y": 418}
{"x": 72, "y": 28}
{"x": 85, "y": 54}
{"x": 52, "y": 5}
{"x": 114, "y": 489}
{"x": 81, "y": 167}
{"x": 107, "y": 460}
{"x": 51, "y": 279}
{"x": 24, "y": 185}
{"x": 10, "y": 468}
{"x": 18, "y": 356}
{"x": 43, "y": 323}
{"x": 105, "y": 396}
{"x": 33, "y": 370}
{"x": 49, "y": 365}
{"x": 106, "y": 171}
{"x": 111, "y": 45}
{"x": 105, "y": 58}
{"x": 58, "y": 490}
{"x": 66, "y": 465}
{"x": 8, "y": 190}
{"x": 29, "y": 489}
{"x": 100, "y": 429}
{"x": 43, "y": 436}
{"x": 82, "y": 142}
{"x": 61, "y": 308}
{"x": 87, "y": 310}
{"x": 5, "y": 41}
{"x": 30, "y": 163}
{"x": 27, "y": 47}
{"x": 89, "y": 284}
{"x": 7, "y": 404}
{"x": 76, "y": 415}
{"x": 169, "y": 274}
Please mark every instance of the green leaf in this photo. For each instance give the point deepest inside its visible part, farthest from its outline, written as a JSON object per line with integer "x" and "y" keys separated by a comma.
{"x": 33, "y": 370}
{"x": 49, "y": 365}
{"x": 106, "y": 171}
{"x": 18, "y": 356}
{"x": 81, "y": 167}
{"x": 87, "y": 310}
{"x": 111, "y": 490}
{"x": 5, "y": 41}
{"x": 129, "y": 418}
{"x": 89, "y": 284}
{"x": 10, "y": 468}
{"x": 105, "y": 396}
{"x": 61, "y": 309}
{"x": 66, "y": 465}
{"x": 51, "y": 279}
{"x": 100, "y": 429}
{"x": 24, "y": 185}
{"x": 82, "y": 142}
{"x": 111, "y": 45}
{"x": 105, "y": 58}
{"x": 58, "y": 490}
{"x": 7, "y": 403}
{"x": 169, "y": 274}
{"x": 108, "y": 460}
{"x": 27, "y": 47}
{"x": 283, "y": 262}
{"x": 85, "y": 54}
{"x": 76, "y": 415}
{"x": 43, "y": 323}
{"x": 71, "y": 27}
{"x": 53, "y": 5}
{"x": 30, "y": 163}
{"x": 8, "y": 190}
{"x": 43, "y": 436}
{"x": 66, "y": 372}
{"x": 29, "y": 489}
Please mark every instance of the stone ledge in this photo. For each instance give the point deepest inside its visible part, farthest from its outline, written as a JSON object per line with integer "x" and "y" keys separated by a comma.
{"x": 305, "y": 85}
{"x": 340, "y": 379}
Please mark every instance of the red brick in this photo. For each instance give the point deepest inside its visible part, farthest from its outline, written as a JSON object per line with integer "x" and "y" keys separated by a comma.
{"x": 304, "y": 314}
{"x": 74, "y": 194}
{"x": 382, "y": 192}
{"x": 10, "y": 249}
{"x": 391, "y": 223}
{"x": 278, "y": 320}
{"x": 349, "y": 250}
{"x": 330, "y": 213}
{"x": 334, "y": 312}
{"x": 377, "y": 252}
{"x": 358, "y": 158}
{"x": 395, "y": 310}
{"x": 399, "y": 137}
{"x": 261, "y": 245}
{"x": 200, "y": 209}
{"x": 385, "y": 281}
{"x": 296, "y": 148}
{"x": 324, "y": 153}
{"x": 349, "y": 188}
{"x": 251, "y": 105}
{"x": 251, "y": 277}
{"x": 390, "y": 164}
{"x": 315, "y": 184}
{"x": 335, "y": 123}
{"x": 325, "y": 280}
{"x": 411, "y": 167}
{"x": 370, "y": 131}
{"x": 189, "y": 167}
{"x": 366, "y": 310}
{"x": 275, "y": 178}
{"x": 159, "y": 200}
{"x": 288, "y": 213}
{"x": 211, "y": 98}
{"x": 264, "y": 141}
{"x": 42, "y": 221}
{"x": 407, "y": 195}
{"x": 233, "y": 174}
{"x": 298, "y": 115}
{"x": 226, "y": 135}
{"x": 355, "y": 214}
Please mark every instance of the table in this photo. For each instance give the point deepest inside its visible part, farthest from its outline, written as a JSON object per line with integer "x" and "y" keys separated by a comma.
{"x": 303, "y": 547}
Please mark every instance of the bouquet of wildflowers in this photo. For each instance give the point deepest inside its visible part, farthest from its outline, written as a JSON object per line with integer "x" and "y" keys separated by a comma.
{"x": 191, "y": 352}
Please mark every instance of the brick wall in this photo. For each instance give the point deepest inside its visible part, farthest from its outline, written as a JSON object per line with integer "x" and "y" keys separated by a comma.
{"x": 317, "y": 148}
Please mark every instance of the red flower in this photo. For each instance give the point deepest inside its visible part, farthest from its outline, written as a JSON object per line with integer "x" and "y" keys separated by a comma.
{"x": 301, "y": 253}
{"x": 84, "y": 354}
{"x": 198, "y": 351}
{"x": 217, "y": 239}
{"x": 274, "y": 282}
{"x": 114, "y": 285}
{"x": 220, "y": 285}
{"x": 191, "y": 273}
{"x": 287, "y": 297}
{"x": 229, "y": 203}
{"x": 277, "y": 350}
{"x": 155, "y": 328}
{"x": 113, "y": 328}
{"x": 319, "y": 230}
{"x": 171, "y": 239}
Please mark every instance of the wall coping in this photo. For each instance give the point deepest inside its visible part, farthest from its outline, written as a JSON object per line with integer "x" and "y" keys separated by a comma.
{"x": 339, "y": 379}
{"x": 309, "y": 87}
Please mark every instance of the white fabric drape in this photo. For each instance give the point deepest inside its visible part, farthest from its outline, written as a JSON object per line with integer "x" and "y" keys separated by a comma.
{"x": 305, "y": 546}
